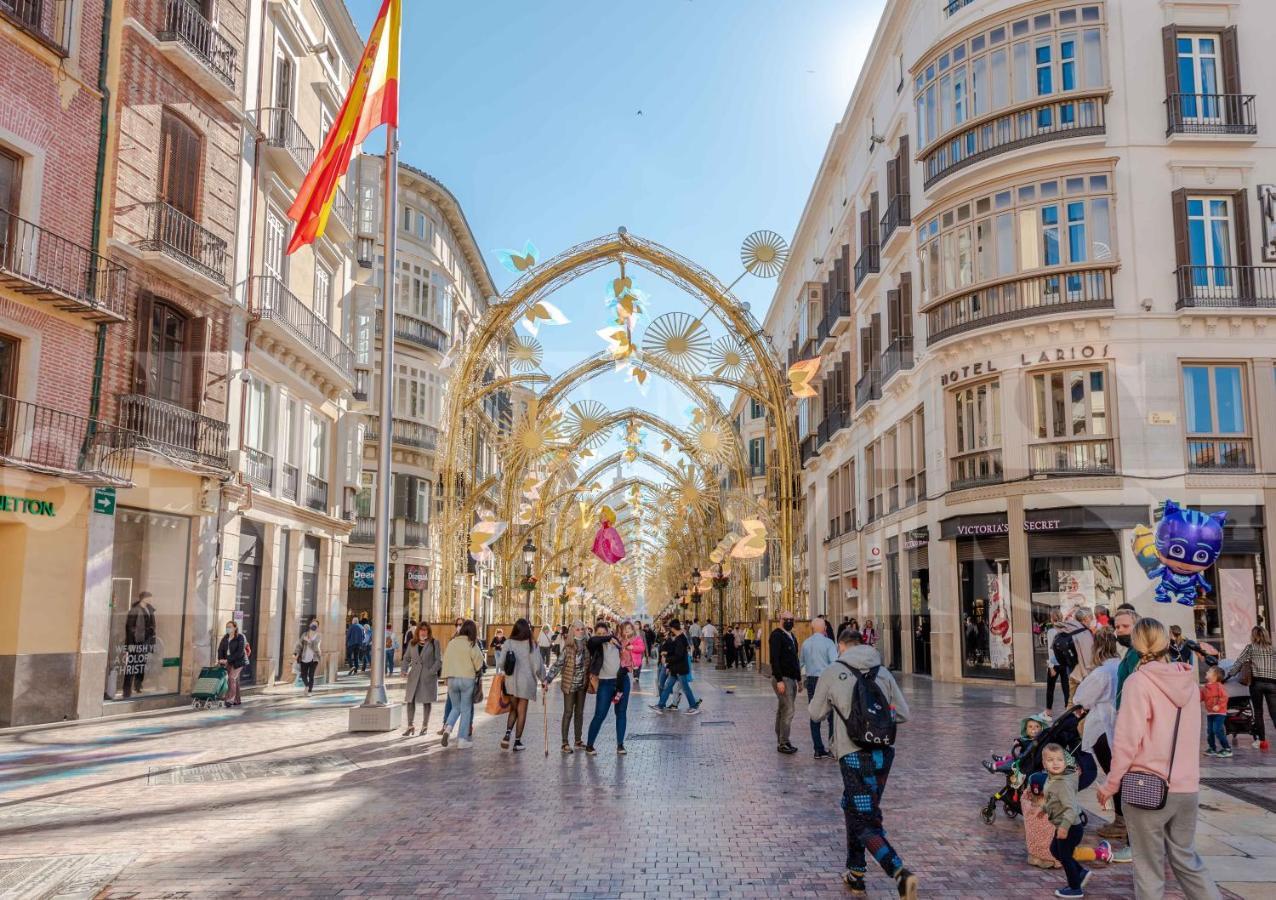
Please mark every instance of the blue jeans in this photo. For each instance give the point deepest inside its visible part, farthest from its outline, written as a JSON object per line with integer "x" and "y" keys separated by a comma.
{"x": 609, "y": 689}
{"x": 365, "y": 656}
{"x": 816, "y": 741}
{"x": 1063, "y": 848}
{"x": 1215, "y": 728}
{"x": 389, "y": 662}
{"x": 670, "y": 680}
{"x": 460, "y": 698}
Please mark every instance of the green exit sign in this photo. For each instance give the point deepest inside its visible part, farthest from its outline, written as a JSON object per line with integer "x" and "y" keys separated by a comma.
{"x": 104, "y": 501}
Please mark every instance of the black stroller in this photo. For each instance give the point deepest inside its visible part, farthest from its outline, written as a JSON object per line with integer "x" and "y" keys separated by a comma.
{"x": 1064, "y": 731}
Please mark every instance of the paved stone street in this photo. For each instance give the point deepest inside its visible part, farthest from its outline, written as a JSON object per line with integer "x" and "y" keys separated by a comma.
{"x": 277, "y": 799}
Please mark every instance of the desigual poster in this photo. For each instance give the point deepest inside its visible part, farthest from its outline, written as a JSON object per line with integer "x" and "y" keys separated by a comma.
{"x": 1239, "y": 608}
{"x": 1001, "y": 637}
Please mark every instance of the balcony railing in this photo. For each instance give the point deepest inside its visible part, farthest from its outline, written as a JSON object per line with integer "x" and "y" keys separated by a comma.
{"x": 39, "y": 263}
{"x": 897, "y": 356}
{"x": 415, "y": 331}
{"x": 185, "y": 23}
{"x": 365, "y": 530}
{"x": 1093, "y": 457}
{"x": 836, "y": 307}
{"x": 898, "y": 214}
{"x": 869, "y": 387}
{"x": 362, "y": 384}
{"x": 274, "y": 302}
{"x": 259, "y": 468}
{"x": 177, "y": 235}
{"x": 868, "y": 263}
{"x": 416, "y": 534}
{"x": 974, "y": 469}
{"x": 172, "y": 430}
{"x": 1220, "y": 454}
{"x": 1210, "y": 114}
{"x": 49, "y": 440}
{"x": 290, "y": 482}
{"x": 806, "y": 449}
{"x": 757, "y": 470}
{"x": 1081, "y": 115}
{"x": 316, "y": 493}
{"x": 951, "y": 6}
{"x": 405, "y": 433}
{"x": 1021, "y": 298}
{"x": 280, "y": 129}
{"x": 1226, "y": 287}
{"x": 343, "y": 209}
{"x": 48, "y": 21}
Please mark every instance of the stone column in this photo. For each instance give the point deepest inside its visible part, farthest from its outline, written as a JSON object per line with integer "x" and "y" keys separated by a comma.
{"x": 1020, "y": 593}
{"x": 95, "y": 628}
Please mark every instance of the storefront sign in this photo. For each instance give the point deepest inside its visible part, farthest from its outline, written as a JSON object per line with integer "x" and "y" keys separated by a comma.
{"x": 416, "y": 577}
{"x": 104, "y": 501}
{"x": 1064, "y": 354}
{"x": 874, "y": 555}
{"x": 1065, "y": 518}
{"x": 28, "y": 505}
{"x": 975, "y": 370}
{"x": 917, "y": 538}
{"x": 362, "y": 575}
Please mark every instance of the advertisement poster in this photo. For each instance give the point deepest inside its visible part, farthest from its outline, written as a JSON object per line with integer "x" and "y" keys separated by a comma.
{"x": 363, "y": 575}
{"x": 1001, "y": 636}
{"x": 1236, "y": 593}
{"x": 1076, "y": 588}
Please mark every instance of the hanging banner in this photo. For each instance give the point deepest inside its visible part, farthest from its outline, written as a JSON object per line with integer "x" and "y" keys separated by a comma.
{"x": 362, "y": 575}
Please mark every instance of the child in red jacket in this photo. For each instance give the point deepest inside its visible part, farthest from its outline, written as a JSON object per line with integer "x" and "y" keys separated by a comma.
{"x": 1214, "y": 696}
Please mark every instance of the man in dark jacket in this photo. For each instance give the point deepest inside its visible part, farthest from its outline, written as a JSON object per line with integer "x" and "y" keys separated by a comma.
{"x": 677, "y": 653}
{"x": 354, "y": 644}
{"x": 785, "y": 672}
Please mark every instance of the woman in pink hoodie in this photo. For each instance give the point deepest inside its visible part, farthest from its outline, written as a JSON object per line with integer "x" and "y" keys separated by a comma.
{"x": 1158, "y": 700}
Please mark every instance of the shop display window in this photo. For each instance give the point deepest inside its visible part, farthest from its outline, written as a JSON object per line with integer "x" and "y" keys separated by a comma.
{"x": 987, "y": 627}
{"x": 1064, "y": 583}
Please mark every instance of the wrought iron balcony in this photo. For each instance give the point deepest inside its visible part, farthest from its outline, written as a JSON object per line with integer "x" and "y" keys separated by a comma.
{"x": 171, "y": 430}
{"x": 48, "y": 21}
{"x": 1210, "y": 114}
{"x": 280, "y": 129}
{"x": 365, "y": 530}
{"x": 316, "y": 493}
{"x": 806, "y": 449}
{"x": 343, "y": 209}
{"x": 405, "y": 433}
{"x": 54, "y": 442}
{"x": 1226, "y": 287}
{"x": 273, "y": 302}
{"x": 952, "y": 6}
{"x": 259, "y": 468}
{"x": 898, "y": 215}
{"x": 362, "y": 384}
{"x": 869, "y": 387}
{"x": 364, "y": 247}
{"x": 42, "y": 264}
{"x": 977, "y": 468}
{"x": 1020, "y": 298}
{"x": 1220, "y": 454}
{"x": 837, "y": 314}
{"x": 1079, "y": 115}
{"x": 185, "y": 24}
{"x": 1082, "y": 457}
{"x": 868, "y": 263}
{"x": 415, "y": 534}
{"x": 176, "y": 235}
{"x": 897, "y": 357}
{"x": 415, "y": 331}
{"x": 291, "y": 480}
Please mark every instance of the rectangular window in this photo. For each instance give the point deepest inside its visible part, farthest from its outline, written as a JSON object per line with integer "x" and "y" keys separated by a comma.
{"x": 1092, "y": 47}
{"x": 1067, "y": 62}
{"x": 979, "y": 86}
{"x": 1216, "y": 417}
{"x": 999, "y": 78}
{"x": 755, "y": 409}
{"x": 257, "y": 416}
{"x": 407, "y": 218}
{"x": 366, "y": 494}
{"x": 318, "y": 455}
{"x": 1211, "y": 250}
{"x": 1044, "y": 69}
{"x": 323, "y": 293}
{"x": 976, "y": 457}
{"x": 1077, "y": 246}
{"x": 1198, "y": 78}
{"x": 1022, "y": 73}
{"x": 1050, "y": 235}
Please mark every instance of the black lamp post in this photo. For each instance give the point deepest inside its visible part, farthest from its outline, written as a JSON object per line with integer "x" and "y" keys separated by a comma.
{"x": 695, "y": 589}
{"x": 720, "y": 582}
{"x": 529, "y": 557}
{"x": 563, "y": 577}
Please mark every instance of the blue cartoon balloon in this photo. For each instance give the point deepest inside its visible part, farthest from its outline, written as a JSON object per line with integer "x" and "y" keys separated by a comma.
{"x": 1185, "y": 544}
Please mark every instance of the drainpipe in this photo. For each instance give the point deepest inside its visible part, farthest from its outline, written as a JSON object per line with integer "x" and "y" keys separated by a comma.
{"x": 99, "y": 187}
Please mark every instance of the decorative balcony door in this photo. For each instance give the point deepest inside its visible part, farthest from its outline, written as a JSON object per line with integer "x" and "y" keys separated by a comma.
{"x": 1198, "y": 74}
{"x": 1211, "y": 248}
{"x": 285, "y": 75}
{"x": 9, "y": 348}
{"x": 10, "y": 208}
{"x": 181, "y": 151}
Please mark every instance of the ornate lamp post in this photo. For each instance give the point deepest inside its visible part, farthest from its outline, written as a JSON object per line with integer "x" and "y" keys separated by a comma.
{"x": 695, "y": 589}
{"x": 563, "y": 577}
{"x": 529, "y": 580}
{"x": 720, "y": 583}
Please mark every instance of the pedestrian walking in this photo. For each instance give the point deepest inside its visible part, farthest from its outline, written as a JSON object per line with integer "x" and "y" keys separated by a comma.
{"x": 498, "y": 648}
{"x": 422, "y": 665}
{"x": 868, "y": 634}
{"x": 365, "y": 643}
{"x": 676, "y": 651}
{"x": 611, "y": 676}
{"x": 695, "y": 633}
{"x": 1097, "y": 695}
{"x": 1157, "y": 732}
{"x": 354, "y": 644}
{"x": 709, "y": 634}
{"x": 817, "y": 654}
{"x": 1052, "y": 664}
{"x": 524, "y": 668}
{"x": 1062, "y": 807}
{"x": 391, "y": 644}
{"x": 462, "y": 663}
{"x": 1259, "y": 660}
{"x": 232, "y": 654}
{"x": 786, "y": 669}
{"x": 857, "y": 680}
{"x": 308, "y": 651}
{"x": 649, "y": 637}
{"x": 1214, "y": 699}
{"x": 1123, "y": 623}
{"x": 573, "y": 666}
{"x": 728, "y": 646}
{"x": 545, "y": 644}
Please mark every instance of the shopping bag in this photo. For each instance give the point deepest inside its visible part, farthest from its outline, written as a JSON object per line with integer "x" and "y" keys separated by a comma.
{"x": 497, "y": 701}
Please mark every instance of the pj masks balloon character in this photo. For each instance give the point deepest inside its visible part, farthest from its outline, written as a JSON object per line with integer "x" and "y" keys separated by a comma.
{"x": 1184, "y": 544}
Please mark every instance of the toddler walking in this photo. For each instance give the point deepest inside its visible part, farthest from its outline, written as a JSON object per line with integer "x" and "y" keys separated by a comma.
{"x": 1214, "y": 697}
{"x": 1063, "y": 808}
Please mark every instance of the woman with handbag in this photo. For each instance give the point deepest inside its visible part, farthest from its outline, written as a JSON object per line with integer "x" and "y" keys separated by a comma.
{"x": 232, "y": 655}
{"x": 573, "y": 664}
{"x": 524, "y": 669}
{"x": 462, "y": 663}
{"x": 609, "y": 681}
{"x": 1256, "y": 667}
{"x": 422, "y": 663}
{"x": 1156, "y": 766}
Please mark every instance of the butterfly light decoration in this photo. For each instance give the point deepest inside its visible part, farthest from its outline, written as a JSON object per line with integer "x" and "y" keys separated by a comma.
{"x": 542, "y": 311}
{"x": 753, "y": 544}
{"x": 801, "y": 374}
{"x": 483, "y": 536}
{"x": 516, "y": 262}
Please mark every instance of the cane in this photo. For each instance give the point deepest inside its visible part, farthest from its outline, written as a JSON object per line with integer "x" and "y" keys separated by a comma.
{"x": 545, "y": 716}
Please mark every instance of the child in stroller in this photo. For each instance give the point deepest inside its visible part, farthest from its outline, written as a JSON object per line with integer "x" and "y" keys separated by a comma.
{"x": 1240, "y": 711}
{"x": 1035, "y": 732}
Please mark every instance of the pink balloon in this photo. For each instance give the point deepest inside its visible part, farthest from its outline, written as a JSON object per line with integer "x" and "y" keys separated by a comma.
{"x": 607, "y": 544}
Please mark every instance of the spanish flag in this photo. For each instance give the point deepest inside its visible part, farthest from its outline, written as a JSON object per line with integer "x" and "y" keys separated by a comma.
{"x": 373, "y": 100}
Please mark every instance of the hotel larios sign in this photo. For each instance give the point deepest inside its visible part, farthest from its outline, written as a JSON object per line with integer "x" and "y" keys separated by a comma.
{"x": 1028, "y": 358}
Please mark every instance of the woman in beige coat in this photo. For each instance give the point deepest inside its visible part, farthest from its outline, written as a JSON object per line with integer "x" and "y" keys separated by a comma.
{"x": 422, "y": 663}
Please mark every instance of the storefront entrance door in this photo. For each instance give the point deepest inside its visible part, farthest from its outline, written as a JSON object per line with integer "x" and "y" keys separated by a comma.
{"x": 894, "y": 643}
{"x": 919, "y": 589}
{"x": 248, "y": 592}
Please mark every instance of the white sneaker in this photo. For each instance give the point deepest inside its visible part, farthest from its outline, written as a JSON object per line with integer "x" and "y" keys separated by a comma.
{"x": 463, "y": 743}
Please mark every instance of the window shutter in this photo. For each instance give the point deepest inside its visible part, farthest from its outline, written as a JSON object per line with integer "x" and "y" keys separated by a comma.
{"x": 903, "y": 163}
{"x": 198, "y": 339}
{"x": 876, "y": 334}
{"x": 892, "y": 179}
{"x": 848, "y": 379}
{"x": 1240, "y": 210}
{"x": 892, "y": 315}
{"x": 179, "y": 164}
{"x": 142, "y": 350}
{"x": 401, "y": 495}
{"x": 873, "y": 217}
{"x": 866, "y": 349}
{"x": 906, "y": 304}
{"x": 1231, "y": 61}
{"x": 1182, "y": 253}
{"x": 865, "y": 232}
{"x": 1170, "y": 52}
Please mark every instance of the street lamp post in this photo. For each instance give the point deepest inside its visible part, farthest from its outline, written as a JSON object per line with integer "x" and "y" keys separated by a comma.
{"x": 563, "y": 578}
{"x": 720, "y": 582}
{"x": 529, "y": 557}
{"x": 695, "y": 590}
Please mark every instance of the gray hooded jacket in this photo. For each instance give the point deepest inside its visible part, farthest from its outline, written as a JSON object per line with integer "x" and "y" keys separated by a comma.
{"x": 835, "y": 689}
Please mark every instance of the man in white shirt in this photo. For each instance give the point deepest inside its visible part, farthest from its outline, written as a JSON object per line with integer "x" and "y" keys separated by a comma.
{"x": 695, "y": 632}
{"x": 709, "y": 635}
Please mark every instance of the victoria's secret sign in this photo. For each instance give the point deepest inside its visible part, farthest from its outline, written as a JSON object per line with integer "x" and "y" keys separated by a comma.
{"x": 990, "y": 529}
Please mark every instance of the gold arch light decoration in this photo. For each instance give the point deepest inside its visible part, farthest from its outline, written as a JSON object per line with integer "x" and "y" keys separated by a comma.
{"x": 466, "y": 424}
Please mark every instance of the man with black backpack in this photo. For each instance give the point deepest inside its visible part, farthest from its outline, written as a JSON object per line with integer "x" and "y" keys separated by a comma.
{"x": 1073, "y": 648}
{"x": 868, "y": 704}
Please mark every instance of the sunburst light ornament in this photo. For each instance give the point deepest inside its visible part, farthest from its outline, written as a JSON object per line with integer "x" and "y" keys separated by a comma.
{"x": 729, "y": 358}
{"x": 712, "y": 441}
{"x": 584, "y": 424}
{"x": 535, "y": 434}
{"x": 764, "y": 254}
{"x": 526, "y": 353}
{"x": 679, "y": 339}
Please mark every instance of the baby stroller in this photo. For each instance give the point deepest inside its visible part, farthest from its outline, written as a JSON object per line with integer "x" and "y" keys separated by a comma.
{"x": 1064, "y": 731}
{"x": 210, "y": 687}
{"x": 1240, "y": 711}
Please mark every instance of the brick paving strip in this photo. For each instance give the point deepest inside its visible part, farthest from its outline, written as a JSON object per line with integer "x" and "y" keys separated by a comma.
{"x": 276, "y": 799}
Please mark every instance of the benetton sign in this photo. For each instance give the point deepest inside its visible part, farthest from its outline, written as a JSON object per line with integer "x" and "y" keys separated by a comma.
{"x": 28, "y": 505}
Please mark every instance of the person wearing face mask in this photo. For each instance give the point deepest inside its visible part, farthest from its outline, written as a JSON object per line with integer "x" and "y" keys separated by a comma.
{"x": 1123, "y": 623}
{"x": 307, "y": 652}
{"x": 786, "y": 669}
{"x": 232, "y": 654}
{"x": 573, "y": 664}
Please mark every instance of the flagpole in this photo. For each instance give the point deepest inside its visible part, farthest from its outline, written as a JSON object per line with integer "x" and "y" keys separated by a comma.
{"x": 381, "y": 572}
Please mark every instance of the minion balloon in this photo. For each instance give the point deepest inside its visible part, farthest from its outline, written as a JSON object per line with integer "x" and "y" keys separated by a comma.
{"x": 1184, "y": 544}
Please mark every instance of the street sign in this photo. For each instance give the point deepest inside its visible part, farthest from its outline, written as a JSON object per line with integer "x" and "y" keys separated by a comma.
{"x": 104, "y": 501}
